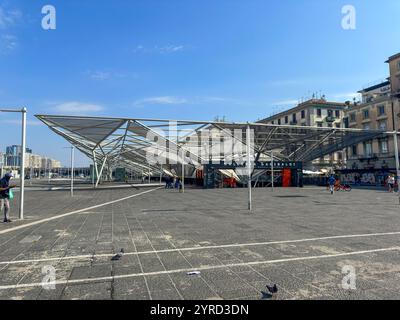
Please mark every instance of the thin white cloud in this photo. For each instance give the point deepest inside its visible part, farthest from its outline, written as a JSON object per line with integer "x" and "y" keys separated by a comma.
{"x": 219, "y": 100}
{"x": 165, "y": 100}
{"x": 103, "y": 75}
{"x": 8, "y": 43}
{"x": 346, "y": 96}
{"x": 77, "y": 108}
{"x": 215, "y": 99}
{"x": 170, "y": 49}
{"x": 284, "y": 83}
{"x": 18, "y": 122}
{"x": 9, "y": 18}
{"x": 99, "y": 75}
{"x": 159, "y": 49}
{"x": 286, "y": 102}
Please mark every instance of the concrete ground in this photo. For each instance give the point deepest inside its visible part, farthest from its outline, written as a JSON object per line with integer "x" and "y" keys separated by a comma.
{"x": 304, "y": 240}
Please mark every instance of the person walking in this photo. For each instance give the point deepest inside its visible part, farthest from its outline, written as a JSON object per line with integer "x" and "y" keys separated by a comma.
{"x": 5, "y": 189}
{"x": 390, "y": 182}
{"x": 332, "y": 182}
{"x": 167, "y": 182}
{"x": 177, "y": 183}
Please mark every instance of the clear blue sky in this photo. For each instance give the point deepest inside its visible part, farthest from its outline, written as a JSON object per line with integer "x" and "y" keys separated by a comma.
{"x": 184, "y": 59}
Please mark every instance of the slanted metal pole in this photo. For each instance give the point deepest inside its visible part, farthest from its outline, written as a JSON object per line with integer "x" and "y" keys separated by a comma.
{"x": 149, "y": 176}
{"x": 396, "y": 155}
{"x": 95, "y": 169}
{"x": 272, "y": 171}
{"x": 22, "y": 177}
{"x": 72, "y": 171}
{"x": 101, "y": 171}
{"x": 161, "y": 173}
{"x": 249, "y": 167}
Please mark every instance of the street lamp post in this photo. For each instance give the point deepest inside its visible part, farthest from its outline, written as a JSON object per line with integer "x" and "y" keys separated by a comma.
{"x": 183, "y": 171}
{"x": 72, "y": 168}
{"x": 23, "y": 112}
{"x": 272, "y": 171}
{"x": 248, "y": 151}
{"x": 72, "y": 171}
{"x": 396, "y": 156}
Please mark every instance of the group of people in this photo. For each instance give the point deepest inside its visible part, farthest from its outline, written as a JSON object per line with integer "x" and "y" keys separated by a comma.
{"x": 390, "y": 182}
{"x": 173, "y": 183}
{"x": 5, "y": 195}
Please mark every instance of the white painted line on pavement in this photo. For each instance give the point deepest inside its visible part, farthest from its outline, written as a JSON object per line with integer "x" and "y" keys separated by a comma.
{"x": 235, "y": 245}
{"x": 144, "y": 274}
{"x": 75, "y": 212}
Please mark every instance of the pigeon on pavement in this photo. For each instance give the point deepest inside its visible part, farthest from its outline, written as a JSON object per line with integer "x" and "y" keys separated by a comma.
{"x": 118, "y": 256}
{"x": 273, "y": 289}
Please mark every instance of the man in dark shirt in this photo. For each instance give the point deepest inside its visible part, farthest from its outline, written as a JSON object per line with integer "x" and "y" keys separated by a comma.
{"x": 332, "y": 181}
{"x": 5, "y": 195}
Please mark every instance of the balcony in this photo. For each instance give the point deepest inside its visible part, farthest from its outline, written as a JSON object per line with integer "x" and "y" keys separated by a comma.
{"x": 369, "y": 157}
{"x": 330, "y": 119}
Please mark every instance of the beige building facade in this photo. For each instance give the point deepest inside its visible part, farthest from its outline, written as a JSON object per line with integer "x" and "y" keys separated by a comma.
{"x": 379, "y": 109}
{"x": 315, "y": 113}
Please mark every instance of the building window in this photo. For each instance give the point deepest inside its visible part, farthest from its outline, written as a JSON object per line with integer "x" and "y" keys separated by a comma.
{"x": 366, "y": 114}
{"x": 330, "y": 113}
{"x": 286, "y": 119}
{"x": 279, "y": 121}
{"x": 337, "y": 125}
{"x": 319, "y": 113}
{"x": 330, "y": 125}
{"x": 398, "y": 65}
{"x": 354, "y": 150}
{"x": 319, "y": 124}
{"x": 352, "y": 117}
{"x": 272, "y": 122}
{"x": 368, "y": 149}
{"x": 383, "y": 146}
{"x": 337, "y": 113}
{"x": 294, "y": 118}
{"x": 381, "y": 111}
{"x": 303, "y": 114}
{"x": 382, "y": 125}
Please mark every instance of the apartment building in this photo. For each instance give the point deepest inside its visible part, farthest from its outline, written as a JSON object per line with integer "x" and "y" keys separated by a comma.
{"x": 12, "y": 159}
{"x": 379, "y": 109}
{"x": 315, "y": 113}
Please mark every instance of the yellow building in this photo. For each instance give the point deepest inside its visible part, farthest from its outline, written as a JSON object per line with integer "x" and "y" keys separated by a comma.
{"x": 379, "y": 109}
{"x": 315, "y": 113}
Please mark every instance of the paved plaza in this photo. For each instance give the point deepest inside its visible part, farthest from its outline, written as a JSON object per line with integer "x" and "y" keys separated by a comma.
{"x": 299, "y": 239}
